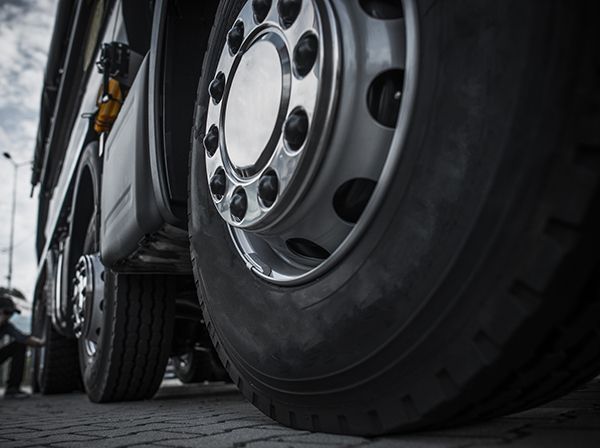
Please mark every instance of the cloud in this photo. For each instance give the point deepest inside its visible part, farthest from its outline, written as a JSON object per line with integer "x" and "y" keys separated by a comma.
{"x": 25, "y": 32}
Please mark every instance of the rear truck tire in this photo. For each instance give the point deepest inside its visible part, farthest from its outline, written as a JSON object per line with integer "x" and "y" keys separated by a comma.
{"x": 124, "y": 322}
{"x": 418, "y": 248}
{"x": 129, "y": 358}
{"x": 55, "y": 366}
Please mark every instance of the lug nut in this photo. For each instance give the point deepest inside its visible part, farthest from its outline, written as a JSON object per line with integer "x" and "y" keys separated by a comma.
{"x": 239, "y": 205}
{"x": 296, "y": 129}
{"x": 217, "y": 87}
{"x": 235, "y": 37}
{"x": 211, "y": 140}
{"x": 261, "y": 9}
{"x": 218, "y": 184}
{"x": 288, "y": 11}
{"x": 305, "y": 54}
{"x": 268, "y": 188}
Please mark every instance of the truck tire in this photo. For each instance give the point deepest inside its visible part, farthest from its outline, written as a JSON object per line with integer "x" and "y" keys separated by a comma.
{"x": 126, "y": 360}
{"x": 467, "y": 286}
{"x": 55, "y": 366}
{"x": 129, "y": 360}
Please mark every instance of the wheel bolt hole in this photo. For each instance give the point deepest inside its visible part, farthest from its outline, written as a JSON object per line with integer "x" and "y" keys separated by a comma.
{"x": 101, "y": 305}
{"x": 211, "y": 140}
{"x": 218, "y": 184}
{"x": 385, "y": 96}
{"x": 239, "y": 205}
{"x": 351, "y": 199}
{"x": 235, "y": 37}
{"x": 305, "y": 54}
{"x": 261, "y": 9}
{"x": 296, "y": 129}
{"x": 383, "y": 9}
{"x": 307, "y": 248}
{"x": 289, "y": 11}
{"x": 268, "y": 188}
{"x": 217, "y": 87}
{"x": 98, "y": 331}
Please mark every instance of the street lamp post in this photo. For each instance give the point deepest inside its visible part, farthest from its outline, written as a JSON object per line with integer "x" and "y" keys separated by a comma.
{"x": 16, "y": 167}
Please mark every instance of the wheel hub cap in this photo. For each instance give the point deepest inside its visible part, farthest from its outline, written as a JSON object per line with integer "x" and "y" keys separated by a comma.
{"x": 253, "y": 105}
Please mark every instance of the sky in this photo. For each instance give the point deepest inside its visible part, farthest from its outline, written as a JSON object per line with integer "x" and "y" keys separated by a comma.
{"x": 25, "y": 32}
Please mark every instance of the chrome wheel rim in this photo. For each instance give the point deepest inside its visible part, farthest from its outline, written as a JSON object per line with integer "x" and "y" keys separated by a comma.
{"x": 88, "y": 301}
{"x": 337, "y": 81}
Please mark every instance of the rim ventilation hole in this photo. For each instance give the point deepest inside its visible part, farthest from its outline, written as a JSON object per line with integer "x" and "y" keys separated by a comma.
{"x": 239, "y": 205}
{"x": 385, "y": 96}
{"x": 306, "y": 248}
{"x": 218, "y": 184}
{"x": 295, "y": 129}
{"x": 383, "y": 9}
{"x": 261, "y": 9}
{"x": 305, "y": 54}
{"x": 235, "y": 37}
{"x": 351, "y": 199}
{"x": 268, "y": 188}
{"x": 289, "y": 11}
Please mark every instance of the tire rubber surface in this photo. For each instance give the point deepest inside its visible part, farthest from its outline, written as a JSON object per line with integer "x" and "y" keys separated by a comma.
{"x": 134, "y": 346}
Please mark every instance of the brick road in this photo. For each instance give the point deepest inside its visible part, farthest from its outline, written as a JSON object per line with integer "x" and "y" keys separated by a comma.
{"x": 217, "y": 416}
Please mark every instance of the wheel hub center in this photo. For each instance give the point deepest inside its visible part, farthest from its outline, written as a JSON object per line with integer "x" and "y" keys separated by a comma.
{"x": 253, "y": 104}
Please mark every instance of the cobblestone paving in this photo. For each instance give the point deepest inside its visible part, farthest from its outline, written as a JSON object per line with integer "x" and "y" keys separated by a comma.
{"x": 217, "y": 416}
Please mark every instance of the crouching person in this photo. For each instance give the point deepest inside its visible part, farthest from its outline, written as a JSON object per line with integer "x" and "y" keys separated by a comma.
{"x": 15, "y": 350}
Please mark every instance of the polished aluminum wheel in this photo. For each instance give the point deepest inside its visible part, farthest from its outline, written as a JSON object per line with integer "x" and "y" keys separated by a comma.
{"x": 309, "y": 106}
{"x": 88, "y": 299}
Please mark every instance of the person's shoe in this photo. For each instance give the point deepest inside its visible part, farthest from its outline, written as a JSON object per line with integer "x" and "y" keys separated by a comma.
{"x": 16, "y": 394}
